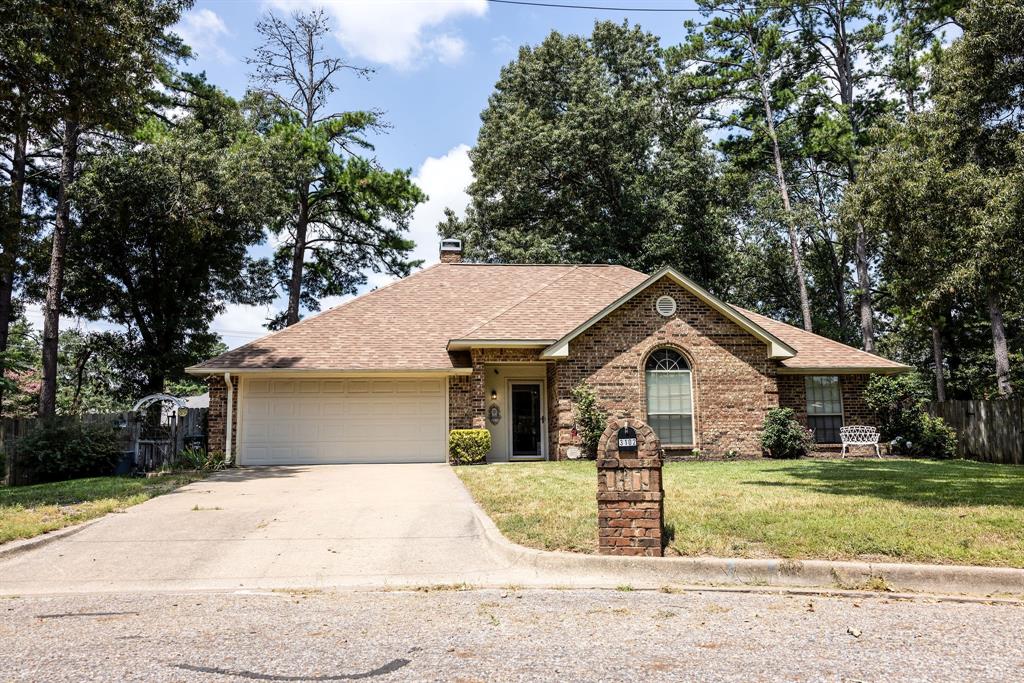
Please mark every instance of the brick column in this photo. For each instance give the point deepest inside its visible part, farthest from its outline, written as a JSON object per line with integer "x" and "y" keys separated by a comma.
{"x": 630, "y": 494}
{"x": 217, "y": 415}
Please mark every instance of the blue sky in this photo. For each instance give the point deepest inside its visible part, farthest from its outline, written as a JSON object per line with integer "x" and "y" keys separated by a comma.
{"x": 435, "y": 61}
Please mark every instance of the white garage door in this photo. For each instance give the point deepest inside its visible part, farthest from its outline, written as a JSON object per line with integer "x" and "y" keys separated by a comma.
{"x": 307, "y": 421}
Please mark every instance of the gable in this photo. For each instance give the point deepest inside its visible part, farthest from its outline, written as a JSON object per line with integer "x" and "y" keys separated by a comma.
{"x": 776, "y": 347}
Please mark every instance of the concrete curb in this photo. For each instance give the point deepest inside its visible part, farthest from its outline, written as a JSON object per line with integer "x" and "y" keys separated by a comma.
{"x": 12, "y": 548}
{"x": 656, "y": 572}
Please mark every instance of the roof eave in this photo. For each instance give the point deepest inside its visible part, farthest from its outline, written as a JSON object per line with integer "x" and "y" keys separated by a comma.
{"x": 200, "y": 371}
{"x": 846, "y": 370}
{"x": 466, "y": 344}
{"x": 777, "y": 349}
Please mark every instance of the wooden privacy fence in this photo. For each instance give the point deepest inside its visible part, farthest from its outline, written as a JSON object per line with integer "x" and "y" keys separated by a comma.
{"x": 147, "y": 441}
{"x": 989, "y": 431}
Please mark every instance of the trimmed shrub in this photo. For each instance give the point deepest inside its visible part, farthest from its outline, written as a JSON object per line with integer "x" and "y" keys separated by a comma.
{"x": 62, "y": 449}
{"x": 468, "y": 446}
{"x": 898, "y": 401}
{"x": 590, "y": 420}
{"x": 783, "y": 437}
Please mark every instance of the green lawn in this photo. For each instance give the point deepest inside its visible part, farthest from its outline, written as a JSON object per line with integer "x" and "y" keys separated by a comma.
{"x": 27, "y": 511}
{"x": 883, "y": 510}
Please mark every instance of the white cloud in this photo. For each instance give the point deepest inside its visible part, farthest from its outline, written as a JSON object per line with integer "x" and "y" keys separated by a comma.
{"x": 238, "y": 324}
{"x": 445, "y": 180}
{"x": 395, "y": 32}
{"x": 449, "y": 49}
{"x": 204, "y": 31}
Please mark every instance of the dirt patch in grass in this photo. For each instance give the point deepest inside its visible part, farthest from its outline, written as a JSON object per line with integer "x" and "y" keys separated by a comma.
{"x": 27, "y": 511}
{"x": 955, "y": 512}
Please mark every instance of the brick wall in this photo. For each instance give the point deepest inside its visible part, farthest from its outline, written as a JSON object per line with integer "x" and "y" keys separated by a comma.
{"x": 734, "y": 382}
{"x": 460, "y": 402}
{"x": 467, "y": 399}
{"x": 855, "y": 409}
{"x": 216, "y": 417}
{"x": 793, "y": 394}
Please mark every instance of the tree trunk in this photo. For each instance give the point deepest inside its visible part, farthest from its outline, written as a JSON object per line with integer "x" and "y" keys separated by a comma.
{"x": 794, "y": 239}
{"x": 839, "y": 290}
{"x": 995, "y": 314}
{"x": 83, "y": 360}
{"x": 302, "y": 221}
{"x": 10, "y": 239}
{"x": 298, "y": 258}
{"x": 55, "y": 282}
{"x": 844, "y": 71}
{"x": 867, "y": 316}
{"x": 937, "y": 355}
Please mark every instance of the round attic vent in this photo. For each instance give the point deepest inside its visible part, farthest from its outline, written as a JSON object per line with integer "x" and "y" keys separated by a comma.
{"x": 665, "y": 305}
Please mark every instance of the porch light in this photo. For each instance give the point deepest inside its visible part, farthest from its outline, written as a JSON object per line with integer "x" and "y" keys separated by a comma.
{"x": 494, "y": 394}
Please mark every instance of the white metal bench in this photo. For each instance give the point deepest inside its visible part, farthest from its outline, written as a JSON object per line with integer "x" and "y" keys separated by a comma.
{"x": 859, "y": 435}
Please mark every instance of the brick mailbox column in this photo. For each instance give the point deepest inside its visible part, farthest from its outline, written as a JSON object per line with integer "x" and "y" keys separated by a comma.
{"x": 630, "y": 494}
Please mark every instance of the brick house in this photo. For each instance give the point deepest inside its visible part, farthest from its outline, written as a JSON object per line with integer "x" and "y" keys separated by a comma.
{"x": 382, "y": 378}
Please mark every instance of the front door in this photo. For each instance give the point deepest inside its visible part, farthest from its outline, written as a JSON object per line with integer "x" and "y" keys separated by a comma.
{"x": 527, "y": 428}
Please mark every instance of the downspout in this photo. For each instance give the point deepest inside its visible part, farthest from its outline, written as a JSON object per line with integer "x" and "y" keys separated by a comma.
{"x": 227, "y": 436}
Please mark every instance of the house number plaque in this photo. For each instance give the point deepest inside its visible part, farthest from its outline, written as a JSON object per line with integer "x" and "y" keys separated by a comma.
{"x": 494, "y": 414}
{"x": 627, "y": 440}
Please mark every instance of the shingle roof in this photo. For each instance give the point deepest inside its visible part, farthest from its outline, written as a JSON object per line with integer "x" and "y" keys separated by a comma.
{"x": 408, "y": 324}
{"x": 817, "y": 352}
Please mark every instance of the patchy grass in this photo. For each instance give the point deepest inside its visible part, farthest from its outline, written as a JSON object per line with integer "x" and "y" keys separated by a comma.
{"x": 956, "y": 512}
{"x": 27, "y": 511}
{"x": 549, "y": 505}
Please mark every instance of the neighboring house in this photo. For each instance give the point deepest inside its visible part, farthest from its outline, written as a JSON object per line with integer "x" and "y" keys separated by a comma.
{"x": 200, "y": 401}
{"x": 382, "y": 378}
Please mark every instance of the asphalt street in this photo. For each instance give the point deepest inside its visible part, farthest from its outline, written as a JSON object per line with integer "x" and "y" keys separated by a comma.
{"x": 446, "y": 634}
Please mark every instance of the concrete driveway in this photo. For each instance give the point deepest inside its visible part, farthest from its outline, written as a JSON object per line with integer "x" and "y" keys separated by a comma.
{"x": 275, "y": 527}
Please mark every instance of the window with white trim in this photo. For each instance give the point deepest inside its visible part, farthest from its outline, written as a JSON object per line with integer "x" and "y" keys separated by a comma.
{"x": 670, "y": 397}
{"x": 824, "y": 407}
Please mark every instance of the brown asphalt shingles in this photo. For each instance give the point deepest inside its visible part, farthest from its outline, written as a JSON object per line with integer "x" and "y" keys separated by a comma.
{"x": 407, "y": 325}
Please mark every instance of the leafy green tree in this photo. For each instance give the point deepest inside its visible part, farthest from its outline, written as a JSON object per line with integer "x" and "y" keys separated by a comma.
{"x": 104, "y": 60}
{"x": 90, "y": 376}
{"x": 741, "y": 70}
{"x": 166, "y": 221}
{"x": 345, "y": 215}
{"x": 843, "y": 43}
{"x": 920, "y": 205}
{"x": 943, "y": 195}
{"x": 583, "y": 157}
{"x": 24, "y": 119}
{"x": 981, "y": 82}
{"x": 916, "y": 46}
{"x": 19, "y": 384}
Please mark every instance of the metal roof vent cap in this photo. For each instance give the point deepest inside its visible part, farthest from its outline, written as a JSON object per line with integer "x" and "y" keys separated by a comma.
{"x": 451, "y": 250}
{"x": 665, "y": 305}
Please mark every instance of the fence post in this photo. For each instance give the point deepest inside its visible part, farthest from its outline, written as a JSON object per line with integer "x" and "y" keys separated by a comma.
{"x": 630, "y": 492}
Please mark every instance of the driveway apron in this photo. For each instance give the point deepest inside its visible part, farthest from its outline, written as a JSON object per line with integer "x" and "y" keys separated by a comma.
{"x": 275, "y": 527}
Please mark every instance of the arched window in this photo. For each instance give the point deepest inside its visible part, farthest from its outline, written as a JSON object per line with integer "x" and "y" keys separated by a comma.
{"x": 670, "y": 397}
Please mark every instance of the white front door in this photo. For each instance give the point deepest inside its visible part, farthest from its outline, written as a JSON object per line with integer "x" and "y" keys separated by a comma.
{"x": 311, "y": 421}
{"x": 527, "y": 417}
